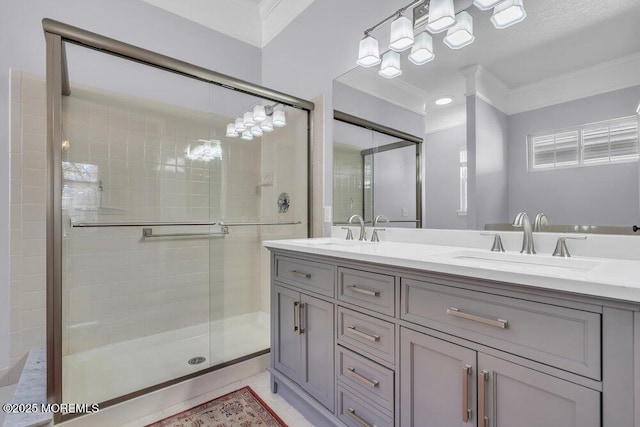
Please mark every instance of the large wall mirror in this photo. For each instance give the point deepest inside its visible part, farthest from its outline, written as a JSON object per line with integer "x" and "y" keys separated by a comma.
{"x": 539, "y": 117}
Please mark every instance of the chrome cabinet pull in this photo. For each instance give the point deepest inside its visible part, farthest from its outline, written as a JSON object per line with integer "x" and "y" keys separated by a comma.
{"x": 351, "y": 372}
{"x": 300, "y": 308}
{"x": 466, "y": 411}
{"x": 498, "y": 323}
{"x": 353, "y": 331}
{"x": 483, "y": 420}
{"x": 295, "y": 316}
{"x": 299, "y": 274}
{"x": 352, "y": 413}
{"x": 354, "y": 288}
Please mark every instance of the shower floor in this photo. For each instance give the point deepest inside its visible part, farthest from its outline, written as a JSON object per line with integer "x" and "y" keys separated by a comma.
{"x": 104, "y": 373}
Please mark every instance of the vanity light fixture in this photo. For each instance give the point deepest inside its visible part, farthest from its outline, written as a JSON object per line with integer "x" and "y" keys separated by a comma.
{"x": 390, "y": 67}
{"x": 508, "y": 13}
{"x": 231, "y": 131}
{"x": 246, "y": 135}
{"x": 439, "y": 15}
{"x": 401, "y": 34}
{"x": 368, "y": 54}
{"x": 461, "y": 34}
{"x": 444, "y": 100}
{"x": 422, "y": 50}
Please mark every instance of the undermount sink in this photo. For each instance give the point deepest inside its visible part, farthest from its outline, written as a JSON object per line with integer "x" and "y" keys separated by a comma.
{"x": 505, "y": 259}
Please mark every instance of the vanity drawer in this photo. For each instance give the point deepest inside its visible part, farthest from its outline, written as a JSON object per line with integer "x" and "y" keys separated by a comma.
{"x": 369, "y": 290}
{"x": 369, "y": 379}
{"x": 310, "y": 275}
{"x": 367, "y": 334}
{"x": 355, "y": 412}
{"x": 558, "y": 336}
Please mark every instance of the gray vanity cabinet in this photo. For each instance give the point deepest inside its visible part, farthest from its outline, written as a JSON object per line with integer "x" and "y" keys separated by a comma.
{"x": 304, "y": 342}
{"x": 357, "y": 344}
{"x": 512, "y": 395}
{"x": 437, "y": 382}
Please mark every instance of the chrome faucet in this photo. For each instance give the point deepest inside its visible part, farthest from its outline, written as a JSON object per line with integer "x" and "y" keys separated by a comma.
{"x": 363, "y": 233}
{"x": 522, "y": 220}
{"x": 540, "y": 221}
{"x": 380, "y": 219}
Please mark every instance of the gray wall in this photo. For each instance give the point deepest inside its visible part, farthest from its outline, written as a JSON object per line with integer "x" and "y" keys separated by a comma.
{"x": 22, "y": 47}
{"x": 394, "y": 177}
{"x": 491, "y": 164}
{"x": 603, "y": 194}
{"x": 442, "y": 178}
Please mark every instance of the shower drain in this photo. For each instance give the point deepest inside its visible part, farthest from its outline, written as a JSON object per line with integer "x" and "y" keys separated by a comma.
{"x": 196, "y": 360}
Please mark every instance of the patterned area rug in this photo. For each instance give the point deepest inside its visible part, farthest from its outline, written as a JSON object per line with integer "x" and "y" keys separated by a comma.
{"x": 240, "y": 408}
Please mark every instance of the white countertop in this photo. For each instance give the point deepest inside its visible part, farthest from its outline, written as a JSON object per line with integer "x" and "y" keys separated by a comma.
{"x": 599, "y": 277}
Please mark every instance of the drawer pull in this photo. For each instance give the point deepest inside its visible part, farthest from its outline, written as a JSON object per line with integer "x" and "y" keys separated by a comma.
{"x": 466, "y": 411}
{"x": 483, "y": 419}
{"x": 352, "y": 413}
{"x": 351, "y": 372}
{"x": 353, "y": 331}
{"x": 299, "y": 274}
{"x": 365, "y": 291}
{"x": 498, "y": 323}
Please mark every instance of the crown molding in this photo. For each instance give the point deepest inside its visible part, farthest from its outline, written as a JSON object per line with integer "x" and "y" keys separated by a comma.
{"x": 601, "y": 78}
{"x": 277, "y": 14}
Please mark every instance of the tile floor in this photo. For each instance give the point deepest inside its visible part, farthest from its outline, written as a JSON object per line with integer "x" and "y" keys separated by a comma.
{"x": 259, "y": 383}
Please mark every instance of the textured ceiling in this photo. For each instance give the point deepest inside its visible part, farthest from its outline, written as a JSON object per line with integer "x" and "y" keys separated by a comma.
{"x": 558, "y": 36}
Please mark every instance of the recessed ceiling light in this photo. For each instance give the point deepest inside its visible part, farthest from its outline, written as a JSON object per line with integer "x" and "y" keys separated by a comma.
{"x": 444, "y": 100}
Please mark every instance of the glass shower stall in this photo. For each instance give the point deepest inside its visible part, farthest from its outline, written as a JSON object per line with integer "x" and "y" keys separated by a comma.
{"x": 163, "y": 185}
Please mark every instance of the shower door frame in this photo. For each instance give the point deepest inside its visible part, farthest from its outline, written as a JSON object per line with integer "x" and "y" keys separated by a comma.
{"x": 56, "y": 35}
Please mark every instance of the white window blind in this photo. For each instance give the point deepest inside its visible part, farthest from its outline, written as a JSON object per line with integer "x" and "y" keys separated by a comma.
{"x": 604, "y": 142}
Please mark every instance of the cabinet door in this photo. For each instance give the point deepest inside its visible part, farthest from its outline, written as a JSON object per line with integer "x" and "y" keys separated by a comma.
{"x": 288, "y": 342}
{"x": 318, "y": 349}
{"x": 518, "y": 396}
{"x": 437, "y": 382}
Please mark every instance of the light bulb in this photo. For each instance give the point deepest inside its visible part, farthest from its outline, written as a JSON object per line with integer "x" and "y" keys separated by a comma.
{"x": 422, "y": 50}
{"x": 441, "y": 15}
{"x": 368, "y": 54}
{"x": 390, "y": 67}
{"x": 401, "y": 34}
{"x": 279, "y": 119}
{"x": 256, "y": 131}
{"x": 259, "y": 113}
{"x": 267, "y": 125}
{"x": 507, "y": 13}
{"x": 248, "y": 119}
{"x": 461, "y": 34}
{"x": 231, "y": 130}
{"x": 239, "y": 124}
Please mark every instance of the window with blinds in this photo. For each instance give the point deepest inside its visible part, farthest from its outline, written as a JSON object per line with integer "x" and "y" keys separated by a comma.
{"x": 597, "y": 143}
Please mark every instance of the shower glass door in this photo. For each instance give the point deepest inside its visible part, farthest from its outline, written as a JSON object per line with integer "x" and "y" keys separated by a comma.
{"x": 164, "y": 213}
